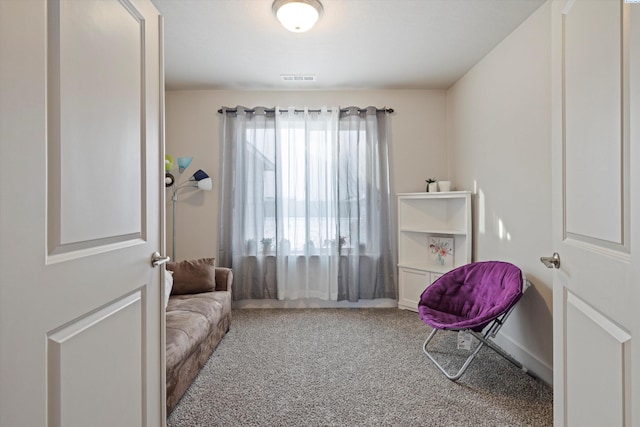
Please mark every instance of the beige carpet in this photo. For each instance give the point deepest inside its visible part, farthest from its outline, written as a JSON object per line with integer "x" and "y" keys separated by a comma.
{"x": 352, "y": 367}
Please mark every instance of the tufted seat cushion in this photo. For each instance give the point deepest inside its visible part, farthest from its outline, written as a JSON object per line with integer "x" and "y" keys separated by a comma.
{"x": 471, "y": 296}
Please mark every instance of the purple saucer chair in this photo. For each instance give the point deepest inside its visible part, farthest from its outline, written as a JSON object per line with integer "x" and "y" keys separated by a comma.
{"x": 472, "y": 298}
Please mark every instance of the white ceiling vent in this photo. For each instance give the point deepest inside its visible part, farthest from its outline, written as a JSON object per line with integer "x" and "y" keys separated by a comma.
{"x": 298, "y": 77}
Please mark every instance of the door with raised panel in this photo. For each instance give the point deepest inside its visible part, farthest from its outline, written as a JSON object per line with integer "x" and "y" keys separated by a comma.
{"x": 595, "y": 65}
{"x": 80, "y": 179}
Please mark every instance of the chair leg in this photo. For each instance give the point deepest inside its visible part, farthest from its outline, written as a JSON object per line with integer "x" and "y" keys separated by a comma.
{"x": 452, "y": 377}
{"x": 482, "y": 340}
{"x": 501, "y": 352}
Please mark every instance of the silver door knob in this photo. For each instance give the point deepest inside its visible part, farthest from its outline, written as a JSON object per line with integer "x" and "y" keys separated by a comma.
{"x": 551, "y": 261}
{"x": 157, "y": 260}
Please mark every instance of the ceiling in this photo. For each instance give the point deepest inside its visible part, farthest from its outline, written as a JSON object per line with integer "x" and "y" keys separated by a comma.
{"x": 356, "y": 44}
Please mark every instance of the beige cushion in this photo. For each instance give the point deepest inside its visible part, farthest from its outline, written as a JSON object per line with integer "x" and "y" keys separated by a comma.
{"x": 193, "y": 276}
{"x": 168, "y": 286}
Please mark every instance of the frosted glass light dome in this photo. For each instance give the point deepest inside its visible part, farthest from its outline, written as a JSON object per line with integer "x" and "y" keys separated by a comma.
{"x": 297, "y": 16}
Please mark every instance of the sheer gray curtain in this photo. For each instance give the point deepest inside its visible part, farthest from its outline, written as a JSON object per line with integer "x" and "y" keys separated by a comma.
{"x": 305, "y": 203}
{"x": 364, "y": 192}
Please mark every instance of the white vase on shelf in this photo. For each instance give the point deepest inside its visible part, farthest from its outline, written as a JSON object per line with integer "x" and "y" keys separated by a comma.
{"x": 444, "y": 186}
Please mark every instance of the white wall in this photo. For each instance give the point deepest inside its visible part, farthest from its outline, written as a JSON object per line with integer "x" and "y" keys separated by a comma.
{"x": 499, "y": 136}
{"x": 418, "y": 146}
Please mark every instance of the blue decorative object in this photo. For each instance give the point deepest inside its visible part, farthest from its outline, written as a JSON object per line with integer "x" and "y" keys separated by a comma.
{"x": 183, "y": 163}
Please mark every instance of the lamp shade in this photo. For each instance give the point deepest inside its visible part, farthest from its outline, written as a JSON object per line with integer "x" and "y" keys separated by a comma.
{"x": 168, "y": 163}
{"x": 199, "y": 175}
{"x": 297, "y": 16}
{"x": 183, "y": 163}
{"x": 169, "y": 179}
{"x": 205, "y": 184}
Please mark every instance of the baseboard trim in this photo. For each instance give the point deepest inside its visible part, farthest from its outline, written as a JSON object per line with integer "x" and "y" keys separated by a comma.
{"x": 534, "y": 364}
{"x": 314, "y": 303}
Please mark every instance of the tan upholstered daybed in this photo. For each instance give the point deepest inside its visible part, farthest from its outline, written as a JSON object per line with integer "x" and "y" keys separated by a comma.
{"x": 198, "y": 315}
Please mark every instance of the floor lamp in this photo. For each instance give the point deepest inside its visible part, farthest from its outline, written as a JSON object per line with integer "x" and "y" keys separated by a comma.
{"x": 199, "y": 180}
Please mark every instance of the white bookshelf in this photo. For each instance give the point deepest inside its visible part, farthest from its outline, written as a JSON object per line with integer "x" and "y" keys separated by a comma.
{"x": 421, "y": 217}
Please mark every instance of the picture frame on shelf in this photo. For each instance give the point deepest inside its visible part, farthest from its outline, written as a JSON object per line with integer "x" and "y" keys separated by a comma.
{"x": 441, "y": 251}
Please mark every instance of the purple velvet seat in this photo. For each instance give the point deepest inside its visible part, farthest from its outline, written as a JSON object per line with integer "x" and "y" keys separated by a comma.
{"x": 471, "y": 298}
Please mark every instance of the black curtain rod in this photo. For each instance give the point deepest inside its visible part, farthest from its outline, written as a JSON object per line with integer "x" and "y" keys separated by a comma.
{"x": 273, "y": 110}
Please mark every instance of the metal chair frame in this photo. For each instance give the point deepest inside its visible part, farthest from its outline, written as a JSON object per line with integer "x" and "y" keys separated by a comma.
{"x": 491, "y": 332}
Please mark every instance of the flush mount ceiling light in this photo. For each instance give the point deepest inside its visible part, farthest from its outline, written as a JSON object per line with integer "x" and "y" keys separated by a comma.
{"x": 297, "y": 15}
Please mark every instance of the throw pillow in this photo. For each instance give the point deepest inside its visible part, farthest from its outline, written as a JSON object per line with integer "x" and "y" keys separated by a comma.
{"x": 168, "y": 284}
{"x": 193, "y": 276}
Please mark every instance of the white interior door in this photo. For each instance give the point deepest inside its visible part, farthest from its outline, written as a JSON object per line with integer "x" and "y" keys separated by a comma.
{"x": 81, "y": 322}
{"x": 594, "y": 310}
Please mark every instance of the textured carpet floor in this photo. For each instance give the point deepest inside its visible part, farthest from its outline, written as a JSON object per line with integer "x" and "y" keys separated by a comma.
{"x": 352, "y": 367}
